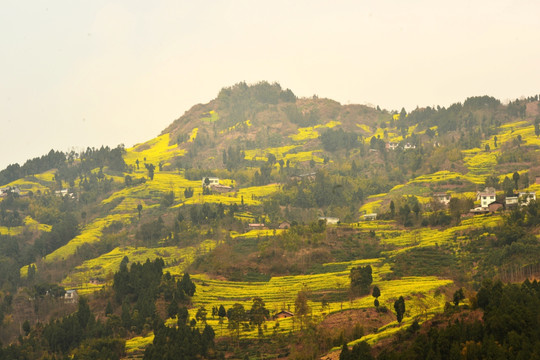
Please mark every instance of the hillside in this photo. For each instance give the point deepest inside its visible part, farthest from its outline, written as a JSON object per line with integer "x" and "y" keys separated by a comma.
{"x": 314, "y": 205}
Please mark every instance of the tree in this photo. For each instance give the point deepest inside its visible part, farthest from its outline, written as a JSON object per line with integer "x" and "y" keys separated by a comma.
{"x": 84, "y": 314}
{"x": 187, "y": 285}
{"x": 128, "y": 180}
{"x": 515, "y": 177}
{"x": 188, "y": 192}
{"x": 167, "y": 199}
{"x": 26, "y": 327}
{"x": 392, "y": 208}
{"x": 172, "y": 309}
{"x": 151, "y": 168}
{"x": 458, "y": 296}
{"x": 376, "y": 293}
{"x": 345, "y": 353}
{"x": 201, "y": 314}
{"x": 301, "y": 307}
{"x": 508, "y": 187}
{"x": 139, "y": 209}
{"x": 399, "y": 306}
{"x": 258, "y": 313}
{"x": 222, "y": 314}
{"x": 361, "y": 279}
{"x": 236, "y": 316}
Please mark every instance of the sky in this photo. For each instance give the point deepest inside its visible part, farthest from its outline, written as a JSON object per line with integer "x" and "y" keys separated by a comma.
{"x": 77, "y": 74}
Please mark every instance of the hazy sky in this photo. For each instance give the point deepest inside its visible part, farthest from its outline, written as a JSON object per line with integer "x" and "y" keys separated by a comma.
{"x": 86, "y": 73}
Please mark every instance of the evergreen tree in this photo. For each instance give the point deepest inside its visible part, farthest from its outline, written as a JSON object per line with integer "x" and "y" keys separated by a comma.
{"x": 399, "y": 306}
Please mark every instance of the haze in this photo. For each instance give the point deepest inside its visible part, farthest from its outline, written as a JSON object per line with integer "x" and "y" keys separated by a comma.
{"x": 75, "y": 73}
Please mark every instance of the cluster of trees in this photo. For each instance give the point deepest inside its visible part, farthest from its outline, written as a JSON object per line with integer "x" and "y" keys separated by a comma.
{"x": 302, "y": 118}
{"x": 137, "y": 288}
{"x": 242, "y": 101}
{"x": 10, "y": 218}
{"x": 509, "y": 328}
{"x": 79, "y": 333}
{"x": 333, "y": 140}
{"x": 361, "y": 279}
{"x": 323, "y": 191}
{"x": 182, "y": 342}
{"x": 54, "y": 159}
{"x": 233, "y": 157}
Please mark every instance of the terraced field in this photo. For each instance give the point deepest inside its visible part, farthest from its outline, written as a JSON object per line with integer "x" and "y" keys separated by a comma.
{"x": 154, "y": 151}
{"x": 310, "y": 132}
{"x": 103, "y": 267}
{"x": 280, "y": 293}
{"x": 90, "y": 234}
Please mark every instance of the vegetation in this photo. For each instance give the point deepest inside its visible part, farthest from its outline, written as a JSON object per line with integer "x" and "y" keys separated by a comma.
{"x": 323, "y": 230}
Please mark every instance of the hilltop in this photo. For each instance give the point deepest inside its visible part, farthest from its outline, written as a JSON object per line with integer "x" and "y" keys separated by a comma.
{"x": 259, "y": 194}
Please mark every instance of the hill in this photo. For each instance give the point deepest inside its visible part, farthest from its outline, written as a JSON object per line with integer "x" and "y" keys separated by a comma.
{"x": 270, "y": 203}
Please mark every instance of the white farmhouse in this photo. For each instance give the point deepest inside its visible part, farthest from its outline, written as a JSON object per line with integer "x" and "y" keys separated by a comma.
{"x": 486, "y": 197}
{"x": 212, "y": 181}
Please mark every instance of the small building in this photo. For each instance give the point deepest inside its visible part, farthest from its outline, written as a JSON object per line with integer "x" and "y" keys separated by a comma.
{"x": 443, "y": 198}
{"x": 211, "y": 181}
{"x": 391, "y": 146}
{"x": 5, "y": 191}
{"x": 283, "y": 314}
{"x": 284, "y": 225}
{"x": 71, "y": 297}
{"x": 409, "y": 146}
{"x": 309, "y": 176}
{"x": 526, "y": 197}
{"x": 61, "y": 193}
{"x": 257, "y": 227}
{"x": 486, "y": 197}
{"x": 511, "y": 201}
{"x": 330, "y": 220}
{"x": 221, "y": 188}
{"x": 495, "y": 206}
{"x": 370, "y": 217}
{"x": 479, "y": 211}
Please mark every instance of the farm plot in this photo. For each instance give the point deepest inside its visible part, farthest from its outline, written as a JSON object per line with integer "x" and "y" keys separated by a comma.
{"x": 103, "y": 267}
{"x": 90, "y": 234}
{"x": 154, "y": 151}
{"x": 280, "y": 293}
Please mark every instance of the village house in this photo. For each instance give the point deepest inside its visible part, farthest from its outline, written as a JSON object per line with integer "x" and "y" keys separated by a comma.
{"x": 283, "y": 314}
{"x": 443, "y": 198}
{"x": 221, "y": 188}
{"x": 284, "y": 225}
{"x": 391, "y": 146}
{"x": 511, "y": 201}
{"x": 479, "y": 211}
{"x": 409, "y": 146}
{"x": 526, "y": 197}
{"x": 71, "y": 297}
{"x": 211, "y": 181}
{"x": 486, "y": 197}
{"x": 370, "y": 217}
{"x": 6, "y": 190}
{"x": 257, "y": 227}
{"x": 330, "y": 220}
{"x": 309, "y": 176}
{"x": 495, "y": 206}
